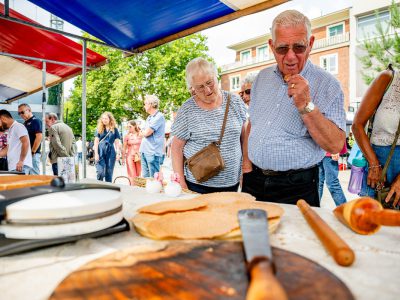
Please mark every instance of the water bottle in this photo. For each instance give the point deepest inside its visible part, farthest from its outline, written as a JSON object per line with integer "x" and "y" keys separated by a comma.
{"x": 356, "y": 176}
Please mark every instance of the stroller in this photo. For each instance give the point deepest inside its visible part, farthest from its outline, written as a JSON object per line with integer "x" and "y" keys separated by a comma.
{"x": 90, "y": 154}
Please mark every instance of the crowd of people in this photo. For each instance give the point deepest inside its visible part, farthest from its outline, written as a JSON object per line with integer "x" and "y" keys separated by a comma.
{"x": 280, "y": 138}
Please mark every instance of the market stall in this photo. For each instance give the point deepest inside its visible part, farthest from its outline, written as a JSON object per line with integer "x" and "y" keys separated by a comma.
{"x": 373, "y": 275}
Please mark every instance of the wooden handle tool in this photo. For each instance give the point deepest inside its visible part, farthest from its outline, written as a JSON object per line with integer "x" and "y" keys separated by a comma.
{"x": 366, "y": 215}
{"x": 264, "y": 285}
{"x": 334, "y": 244}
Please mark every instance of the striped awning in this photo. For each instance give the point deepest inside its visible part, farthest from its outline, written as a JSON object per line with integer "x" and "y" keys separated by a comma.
{"x": 20, "y": 77}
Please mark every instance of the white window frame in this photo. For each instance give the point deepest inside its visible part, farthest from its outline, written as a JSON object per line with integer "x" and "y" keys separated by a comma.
{"x": 359, "y": 35}
{"x": 327, "y": 57}
{"x": 334, "y": 25}
{"x": 231, "y": 87}
{"x": 241, "y": 56}
{"x": 262, "y": 46}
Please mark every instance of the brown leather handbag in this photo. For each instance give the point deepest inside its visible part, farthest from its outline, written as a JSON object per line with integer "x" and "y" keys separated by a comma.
{"x": 208, "y": 162}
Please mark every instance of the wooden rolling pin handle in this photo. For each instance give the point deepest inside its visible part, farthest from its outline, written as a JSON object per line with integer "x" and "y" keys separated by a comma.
{"x": 263, "y": 283}
{"x": 386, "y": 217}
{"x": 338, "y": 248}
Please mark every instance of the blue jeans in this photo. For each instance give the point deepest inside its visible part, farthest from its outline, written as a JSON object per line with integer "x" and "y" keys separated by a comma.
{"x": 329, "y": 171}
{"x": 105, "y": 166}
{"x": 151, "y": 164}
{"x": 382, "y": 153}
{"x": 36, "y": 163}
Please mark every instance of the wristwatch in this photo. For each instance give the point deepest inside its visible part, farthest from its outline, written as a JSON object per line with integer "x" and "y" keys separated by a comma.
{"x": 308, "y": 108}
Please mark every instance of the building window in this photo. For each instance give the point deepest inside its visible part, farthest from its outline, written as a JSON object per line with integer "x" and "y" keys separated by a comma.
{"x": 366, "y": 25}
{"x": 329, "y": 63}
{"x": 245, "y": 56}
{"x": 235, "y": 82}
{"x": 262, "y": 53}
{"x": 335, "y": 29}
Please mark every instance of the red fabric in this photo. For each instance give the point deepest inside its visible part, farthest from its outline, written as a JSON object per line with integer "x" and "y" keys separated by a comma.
{"x": 24, "y": 40}
{"x": 343, "y": 151}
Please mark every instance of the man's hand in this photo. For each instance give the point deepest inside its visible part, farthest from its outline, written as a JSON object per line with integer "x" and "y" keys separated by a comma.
{"x": 96, "y": 157}
{"x": 20, "y": 166}
{"x": 299, "y": 90}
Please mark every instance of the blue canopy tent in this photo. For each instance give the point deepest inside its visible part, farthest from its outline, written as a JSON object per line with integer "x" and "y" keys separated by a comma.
{"x": 138, "y": 25}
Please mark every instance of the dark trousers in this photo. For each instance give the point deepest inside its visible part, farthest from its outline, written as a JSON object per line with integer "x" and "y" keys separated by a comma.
{"x": 202, "y": 189}
{"x": 55, "y": 169}
{"x": 283, "y": 187}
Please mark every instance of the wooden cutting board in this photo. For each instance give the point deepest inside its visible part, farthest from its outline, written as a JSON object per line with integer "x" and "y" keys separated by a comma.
{"x": 194, "y": 271}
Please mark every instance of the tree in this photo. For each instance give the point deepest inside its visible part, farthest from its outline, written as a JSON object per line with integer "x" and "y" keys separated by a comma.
{"x": 384, "y": 48}
{"x": 120, "y": 85}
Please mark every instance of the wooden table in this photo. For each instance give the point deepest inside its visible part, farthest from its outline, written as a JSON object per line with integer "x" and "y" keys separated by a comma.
{"x": 375, "y": 273}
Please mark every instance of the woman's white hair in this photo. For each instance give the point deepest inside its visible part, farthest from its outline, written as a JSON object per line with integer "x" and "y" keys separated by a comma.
{"x": 152, "y": 100}
{"x": 199, "y": 65}
{"x": 291, "y": 18}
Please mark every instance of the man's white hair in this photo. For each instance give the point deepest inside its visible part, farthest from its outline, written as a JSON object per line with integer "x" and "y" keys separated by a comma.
{"x": 291, "y": 18}
{"x": 152, "y": 100}
{"x": 199, "y": 65}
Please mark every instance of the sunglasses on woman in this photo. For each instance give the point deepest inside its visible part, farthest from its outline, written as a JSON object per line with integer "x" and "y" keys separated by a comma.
{"x": 247, "y": 92}
{"x": 297, "y": 48}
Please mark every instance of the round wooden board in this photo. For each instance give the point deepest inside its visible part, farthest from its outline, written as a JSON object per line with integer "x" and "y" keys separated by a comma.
{"x": 194, "y": 271}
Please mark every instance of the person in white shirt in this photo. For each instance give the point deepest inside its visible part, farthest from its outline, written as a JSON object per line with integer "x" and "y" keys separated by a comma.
{"x": 18, "y": 150}
{"x": 79, "y": 149}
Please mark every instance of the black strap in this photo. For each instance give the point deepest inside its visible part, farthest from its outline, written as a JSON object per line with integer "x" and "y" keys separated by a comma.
{"x": 390, "y": 154}
{"x": 224, "y": 122}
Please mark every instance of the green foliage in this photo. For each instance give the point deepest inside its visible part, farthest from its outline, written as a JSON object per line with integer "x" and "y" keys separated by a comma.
{"x": 121, "y": 84}
{"x": 384, "y": 48}
{"x": 55, "y": 93}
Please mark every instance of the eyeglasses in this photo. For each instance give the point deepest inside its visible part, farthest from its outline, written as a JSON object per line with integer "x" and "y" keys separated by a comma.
{"x": 247, "y": 92}
{"x": 21, "y": 112}
{"x": 202, "y": 88}
{"x": 297, "y": 48}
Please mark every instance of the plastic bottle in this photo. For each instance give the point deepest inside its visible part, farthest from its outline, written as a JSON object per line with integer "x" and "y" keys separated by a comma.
{"x": 356, "y": 176}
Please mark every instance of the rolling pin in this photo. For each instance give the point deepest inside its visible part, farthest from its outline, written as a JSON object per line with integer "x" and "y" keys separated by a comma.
{"x": 366, "y": 215}
{"x": 338, "y": 248}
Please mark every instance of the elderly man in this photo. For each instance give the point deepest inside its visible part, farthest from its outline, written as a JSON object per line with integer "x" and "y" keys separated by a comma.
{"x": 18, "y": 149}
{"x": 296, "y": 114}
{"x": 62, "y": 140}
{"x": 152, "y": 146}
{"x": 245, "y": 88}
{"x": 34, "y": 127}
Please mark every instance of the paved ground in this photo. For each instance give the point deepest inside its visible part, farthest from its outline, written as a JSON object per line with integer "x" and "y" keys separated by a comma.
{"x": 327, "y": 201}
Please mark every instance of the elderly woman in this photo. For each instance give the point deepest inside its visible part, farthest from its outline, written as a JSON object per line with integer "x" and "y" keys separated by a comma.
{"x": 198, "y": 123}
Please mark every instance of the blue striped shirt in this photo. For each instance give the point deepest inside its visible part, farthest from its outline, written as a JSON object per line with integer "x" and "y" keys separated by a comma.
{"x": 279, "y": 139}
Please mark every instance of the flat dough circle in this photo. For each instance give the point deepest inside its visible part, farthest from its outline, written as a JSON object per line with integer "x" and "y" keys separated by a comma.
{"x": 192, "y": 225}
{"x": 173, "y": 206}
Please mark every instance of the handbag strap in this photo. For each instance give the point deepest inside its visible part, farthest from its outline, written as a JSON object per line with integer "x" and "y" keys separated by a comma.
{"x": 105, "y": 136}
{"x": 390, "y": 154}
{"x": 371, "y": 119}
{"x": 224, "y": 122}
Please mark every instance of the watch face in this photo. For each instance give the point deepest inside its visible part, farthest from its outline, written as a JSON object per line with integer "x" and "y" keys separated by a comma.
{"x": 310, "y": 107}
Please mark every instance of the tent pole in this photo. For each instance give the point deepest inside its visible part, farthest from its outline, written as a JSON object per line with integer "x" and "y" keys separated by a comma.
{"x": 84, "y": 107}
{"x": 44, "y": 100}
